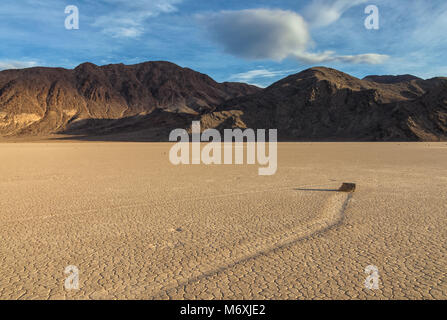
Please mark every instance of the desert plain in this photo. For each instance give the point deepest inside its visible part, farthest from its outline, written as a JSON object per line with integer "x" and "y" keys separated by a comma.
{"x": 138, "y": 227}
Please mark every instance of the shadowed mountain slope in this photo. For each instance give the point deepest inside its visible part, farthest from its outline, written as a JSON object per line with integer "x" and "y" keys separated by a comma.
{"x": 326, "y": 104}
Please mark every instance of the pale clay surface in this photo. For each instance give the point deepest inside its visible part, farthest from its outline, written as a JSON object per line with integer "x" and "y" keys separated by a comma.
{"x": 138, "y": 227}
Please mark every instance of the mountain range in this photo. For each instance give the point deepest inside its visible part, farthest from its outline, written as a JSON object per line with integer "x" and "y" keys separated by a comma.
{"x": 144, "y": 102}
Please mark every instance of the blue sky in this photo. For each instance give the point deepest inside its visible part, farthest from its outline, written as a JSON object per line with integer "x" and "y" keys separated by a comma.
{"x": 257, "y": 42}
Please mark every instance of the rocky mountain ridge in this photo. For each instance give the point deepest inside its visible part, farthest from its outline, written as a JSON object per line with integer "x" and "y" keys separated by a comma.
{"x": 146, "y": 101}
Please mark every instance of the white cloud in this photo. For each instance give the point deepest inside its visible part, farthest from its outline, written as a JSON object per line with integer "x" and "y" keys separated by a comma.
{"x": 258, "y": 74}
{"x": 15, "y": 64}
{"x": 263, "y": 34}
{"x": 330, "y": 56}
{"x": 129, "y": 22}
{"x": 258, "y": 33}
{"x": 321, "y": 13}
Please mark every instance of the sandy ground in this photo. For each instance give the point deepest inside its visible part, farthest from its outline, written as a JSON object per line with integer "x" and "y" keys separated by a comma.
{"x": 138, "y": 227}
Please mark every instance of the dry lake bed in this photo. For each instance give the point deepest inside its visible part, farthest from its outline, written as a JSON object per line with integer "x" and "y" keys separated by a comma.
{"x": 137, "y": 227}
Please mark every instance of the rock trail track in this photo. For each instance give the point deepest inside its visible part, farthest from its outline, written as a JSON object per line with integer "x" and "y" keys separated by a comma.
{"x": 331, "y": 215}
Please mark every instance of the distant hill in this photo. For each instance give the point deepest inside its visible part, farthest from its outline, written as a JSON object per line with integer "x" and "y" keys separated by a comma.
{"x": 146, "y": 101}
{"x": 322, "y": 104}
{"x": 39, "y": 101}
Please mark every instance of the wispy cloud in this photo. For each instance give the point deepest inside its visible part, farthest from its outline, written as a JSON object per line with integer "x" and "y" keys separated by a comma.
{"x": 129, "y": 22}
{"x": 120, "y": 26}
{"x": 15, "y": 64}
{"x": 321, "y": 13}
{"x": 256, "y": 76}
{"x": 330, "y": 56}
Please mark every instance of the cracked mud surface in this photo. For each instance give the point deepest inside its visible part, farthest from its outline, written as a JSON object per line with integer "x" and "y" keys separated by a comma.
{"x": 139, "y": 228}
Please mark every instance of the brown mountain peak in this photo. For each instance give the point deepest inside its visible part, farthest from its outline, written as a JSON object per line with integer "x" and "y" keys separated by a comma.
{"x": 40, "y": 101}
{"x": 311, "y": 76}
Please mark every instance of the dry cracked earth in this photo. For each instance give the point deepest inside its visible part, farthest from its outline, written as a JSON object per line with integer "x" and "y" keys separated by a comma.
{"x": 137, "y": 227}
